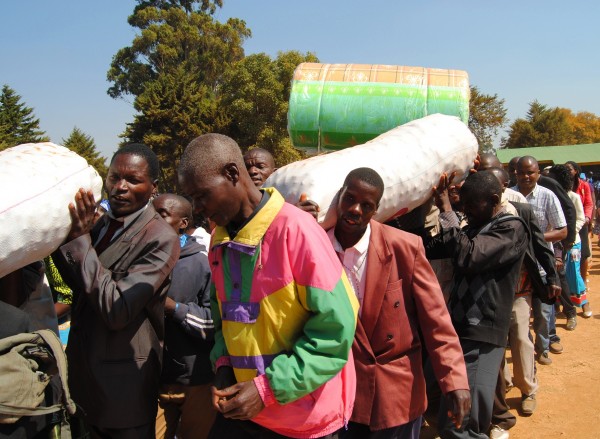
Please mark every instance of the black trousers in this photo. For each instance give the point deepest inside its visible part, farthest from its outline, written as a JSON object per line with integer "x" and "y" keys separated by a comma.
{"x": 224, "y": 428}
{"x": 410, "y": 430}
{"x": 483, "y": 363}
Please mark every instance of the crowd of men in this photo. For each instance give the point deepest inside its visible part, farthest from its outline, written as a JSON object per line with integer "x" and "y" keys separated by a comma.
{"x": 271, "y": 327}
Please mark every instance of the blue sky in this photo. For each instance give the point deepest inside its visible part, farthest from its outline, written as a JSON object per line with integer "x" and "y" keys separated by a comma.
{"x": 56, "y": 54}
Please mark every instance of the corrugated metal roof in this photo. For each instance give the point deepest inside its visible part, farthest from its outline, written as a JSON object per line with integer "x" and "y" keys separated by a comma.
{"x": 582, "y": 154}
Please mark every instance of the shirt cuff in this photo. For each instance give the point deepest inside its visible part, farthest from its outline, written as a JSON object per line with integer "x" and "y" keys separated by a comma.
{"x": 449, "y": 220}
{"x": 264, "y": 390}
{"x": 223, "y": 361}
{"x": 181, "y": 311}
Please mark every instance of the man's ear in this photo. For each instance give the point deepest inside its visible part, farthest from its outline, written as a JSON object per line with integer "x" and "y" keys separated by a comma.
{"x": 496, "y": 200}
{"x": 184, "y": 223}
{"x": 231, "y": 172}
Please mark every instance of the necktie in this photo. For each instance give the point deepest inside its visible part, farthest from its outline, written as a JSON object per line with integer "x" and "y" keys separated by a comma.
{"x": 113, "y": 226}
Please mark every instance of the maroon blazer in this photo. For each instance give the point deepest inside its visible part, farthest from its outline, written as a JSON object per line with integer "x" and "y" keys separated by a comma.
{"x": 402, "y": 295}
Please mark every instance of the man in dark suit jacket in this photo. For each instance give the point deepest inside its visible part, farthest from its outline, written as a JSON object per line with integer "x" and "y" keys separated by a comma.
{"x": 399, "y": 298}
{"x": 119, "y": 272}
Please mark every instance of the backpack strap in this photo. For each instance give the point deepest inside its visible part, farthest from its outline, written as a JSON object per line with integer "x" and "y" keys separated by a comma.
{"x": 61, "y": 362}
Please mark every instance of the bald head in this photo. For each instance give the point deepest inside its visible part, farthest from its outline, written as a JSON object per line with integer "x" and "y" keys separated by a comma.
{"x": 528, "y": 160}
{"x": 213, "y": 174}
{"x": 501, "y": 175}
{"x": 259, "y": 164}
{"x": 208, "y": 155}
{"x": 175, "y": 210}
{"x": 488, "y": 160}
{"x": 528, "y": 173}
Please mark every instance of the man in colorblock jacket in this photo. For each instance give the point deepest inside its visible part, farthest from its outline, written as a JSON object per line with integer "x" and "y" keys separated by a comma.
{"x": 283, "y": 309}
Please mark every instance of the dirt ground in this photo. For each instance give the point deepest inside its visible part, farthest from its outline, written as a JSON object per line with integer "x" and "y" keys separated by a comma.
{"x": 568, "y": 400}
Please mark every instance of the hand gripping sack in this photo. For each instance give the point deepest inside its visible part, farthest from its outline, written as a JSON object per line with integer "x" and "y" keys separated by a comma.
{"x": 409, "y": 158}
{"x": 27, "y": 363}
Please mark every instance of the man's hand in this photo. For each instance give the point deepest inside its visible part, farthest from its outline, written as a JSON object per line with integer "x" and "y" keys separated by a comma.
{"x": 82, "y": 214}
{"x": 240, "y": 401}
{"x": 459, "y": 404}
{"x": 170, "y": 306}
{"x": 308, "y": 206}
{"x": 223, "y": 378}
{"x": 553, "y": 291}
{"x": 560, "y": 265}
{"x": 440, "y": 192}
{"x": 476, "y": 164}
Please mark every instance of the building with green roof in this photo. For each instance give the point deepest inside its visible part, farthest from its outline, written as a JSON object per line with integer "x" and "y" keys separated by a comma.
{"x": 588, "y": 156}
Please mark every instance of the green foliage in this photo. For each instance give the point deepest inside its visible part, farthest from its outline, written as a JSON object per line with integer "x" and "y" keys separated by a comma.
{"x": 545, "y": 126}
{"x": 17, "y": 122}
{"x": 173, "y": 111}
{"x": 174, "y": 68}
{"x": 187, "y": 5}
{"x": 254, "y": 97}
{"x": 173, "y": 37}
{"x": 85, "y": 146}
{"x": 487, "y": 115}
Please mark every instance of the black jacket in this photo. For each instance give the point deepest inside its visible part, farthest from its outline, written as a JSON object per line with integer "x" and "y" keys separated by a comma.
{"x": 538, "y": 251}
{"x": 565, "y": 203}
{"x": 487, "y": 265}
{"x": 189, "y": 333}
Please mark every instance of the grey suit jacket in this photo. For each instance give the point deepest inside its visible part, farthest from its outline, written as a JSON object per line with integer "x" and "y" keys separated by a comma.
{"x": 117, "y": 328}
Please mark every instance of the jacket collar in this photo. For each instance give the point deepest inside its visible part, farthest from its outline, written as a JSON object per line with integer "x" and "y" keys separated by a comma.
{"x": 118, "y": 248}
{"x": 252, "y": 233}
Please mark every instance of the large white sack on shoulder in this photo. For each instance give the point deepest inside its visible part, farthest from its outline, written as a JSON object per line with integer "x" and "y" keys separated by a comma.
{"x": 409, "y": 158}
{"x": 38, "y": 181}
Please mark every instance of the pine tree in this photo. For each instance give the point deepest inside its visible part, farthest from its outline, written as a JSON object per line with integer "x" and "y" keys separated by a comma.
{"x": 84, "y": 145}
{"x": 17, "y": 121}
{"x": 174, "y": 69}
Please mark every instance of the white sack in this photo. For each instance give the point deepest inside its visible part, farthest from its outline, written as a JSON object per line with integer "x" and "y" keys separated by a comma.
{"x": 409, "y": 158}
{"x": 38, "y": 181}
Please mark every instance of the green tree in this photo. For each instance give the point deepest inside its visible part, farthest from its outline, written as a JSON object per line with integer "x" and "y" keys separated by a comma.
{"x": 173, "y": 69}
{"x": 255, "y": 97}
{"x": 487, "y": 115}
{"x": 85, "y": 146}
{"x": 17, "y": 121}
{"x": 173, "y": 110}
{"x": 542, "y": 126}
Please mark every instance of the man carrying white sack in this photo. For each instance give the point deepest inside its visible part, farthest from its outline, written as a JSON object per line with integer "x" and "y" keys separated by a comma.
{"x": 119, "y": 271}
{"x": 401, "y": 310}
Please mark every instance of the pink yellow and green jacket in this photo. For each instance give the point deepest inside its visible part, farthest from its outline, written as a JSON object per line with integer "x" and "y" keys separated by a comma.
{"x": 285, "y": 317}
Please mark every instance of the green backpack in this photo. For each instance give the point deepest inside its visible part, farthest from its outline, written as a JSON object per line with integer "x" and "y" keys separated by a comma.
{"x": 27, "y": 363}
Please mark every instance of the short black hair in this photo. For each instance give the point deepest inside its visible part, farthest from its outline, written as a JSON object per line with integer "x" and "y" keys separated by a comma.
{"x": 366, "y": 175}
{"x": 562, "y": 175}
{"x": 144, "y": 152}
{"x": 528, "y": 159}
{"x": 481, "y": 185}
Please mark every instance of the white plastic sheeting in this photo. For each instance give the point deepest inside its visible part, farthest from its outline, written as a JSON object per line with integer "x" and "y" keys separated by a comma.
{"x": 38, "y": 181}
{"x": 409, "y": 158}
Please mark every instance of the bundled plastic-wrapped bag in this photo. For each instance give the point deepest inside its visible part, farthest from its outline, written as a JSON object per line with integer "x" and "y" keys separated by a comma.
{"x": 336, "y": 106}
{"x": 409, "y": 158}
{"x": 38, "y": 181}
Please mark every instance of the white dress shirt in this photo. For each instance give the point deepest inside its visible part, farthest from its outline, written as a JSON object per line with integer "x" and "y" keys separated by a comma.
{"x": 354, "y": 260}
